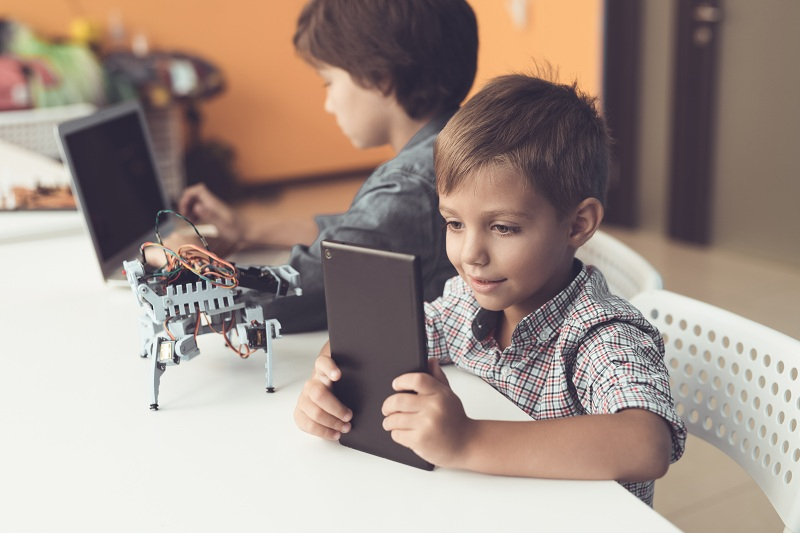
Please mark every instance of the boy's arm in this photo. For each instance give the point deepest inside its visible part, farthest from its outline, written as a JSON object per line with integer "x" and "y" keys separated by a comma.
{"x": 235, "y": 231}
{"x": 631, "y": 445}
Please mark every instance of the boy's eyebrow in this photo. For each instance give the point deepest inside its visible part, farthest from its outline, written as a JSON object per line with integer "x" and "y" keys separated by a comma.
{"x": 497, "y": 213}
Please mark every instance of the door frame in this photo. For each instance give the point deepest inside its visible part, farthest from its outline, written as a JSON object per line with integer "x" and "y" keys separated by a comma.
{"x": 621, "y": 74}
{"x": 691, "y": 130}
{"x": 694, "y": 112}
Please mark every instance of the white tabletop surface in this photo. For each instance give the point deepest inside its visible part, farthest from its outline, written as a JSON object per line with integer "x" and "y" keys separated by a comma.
{"x": 81, "y": 451}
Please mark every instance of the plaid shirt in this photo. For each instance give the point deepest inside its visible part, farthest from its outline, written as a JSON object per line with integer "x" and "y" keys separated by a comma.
{"x": 583, "y": 352}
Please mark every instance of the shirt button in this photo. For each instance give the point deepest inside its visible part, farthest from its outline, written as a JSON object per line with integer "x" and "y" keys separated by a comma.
{"x": 505, "y": 371}
{"x": 544, "y": 334}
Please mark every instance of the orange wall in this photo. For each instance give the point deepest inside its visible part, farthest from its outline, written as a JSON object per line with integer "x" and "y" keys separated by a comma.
{"x": 272, "y": 110}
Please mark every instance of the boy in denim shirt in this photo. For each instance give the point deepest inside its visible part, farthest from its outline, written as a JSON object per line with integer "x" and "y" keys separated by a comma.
{"x": 394, "y": 72}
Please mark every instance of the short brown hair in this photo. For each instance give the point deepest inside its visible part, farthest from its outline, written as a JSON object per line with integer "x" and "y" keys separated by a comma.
{"x": 552, "y": 134}
{"x": 425, "y": 51}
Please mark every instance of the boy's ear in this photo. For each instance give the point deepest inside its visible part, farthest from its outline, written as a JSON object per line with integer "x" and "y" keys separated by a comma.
{"x": 585, "y": 220}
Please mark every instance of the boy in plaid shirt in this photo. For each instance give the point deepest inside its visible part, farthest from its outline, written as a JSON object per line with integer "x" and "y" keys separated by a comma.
{"x": 522, "y": 173}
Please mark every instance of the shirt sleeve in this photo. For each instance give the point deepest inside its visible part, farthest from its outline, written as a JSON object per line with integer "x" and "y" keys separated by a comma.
{"x": 437, "y": 345}
{"x": 394, "y": 211}
{"x": 298, "y": 314}
{"x": 625, "y": 368}
{"x": 440, "y": 315}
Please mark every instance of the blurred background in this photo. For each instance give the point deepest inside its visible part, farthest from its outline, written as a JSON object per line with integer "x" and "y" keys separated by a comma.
{"x": 700, "y": 96}
{"x": 272, "y": 104}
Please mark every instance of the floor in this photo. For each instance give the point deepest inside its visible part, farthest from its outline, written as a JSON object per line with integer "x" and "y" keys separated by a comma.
{"x": 704, "y": 491}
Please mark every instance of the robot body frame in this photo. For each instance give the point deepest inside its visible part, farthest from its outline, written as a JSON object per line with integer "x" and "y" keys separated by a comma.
{"x": 176, "y": 313}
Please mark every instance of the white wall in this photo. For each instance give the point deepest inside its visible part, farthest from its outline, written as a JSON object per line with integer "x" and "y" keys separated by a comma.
{"x": 757, "y": 186}
{"x": 757, "y": 163}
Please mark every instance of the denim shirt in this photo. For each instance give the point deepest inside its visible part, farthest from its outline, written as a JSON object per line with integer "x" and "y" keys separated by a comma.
{"x": 396, "y": 209}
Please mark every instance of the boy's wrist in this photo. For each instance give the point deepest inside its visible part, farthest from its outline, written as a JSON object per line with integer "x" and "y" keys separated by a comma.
{"x": 470, "y": 449}
{"x": 249, "y": 233}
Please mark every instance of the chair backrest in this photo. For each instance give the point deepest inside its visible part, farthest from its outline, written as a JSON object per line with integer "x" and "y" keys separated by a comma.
{"x": 736, "y": 386}
{"x": 626, "y": 272}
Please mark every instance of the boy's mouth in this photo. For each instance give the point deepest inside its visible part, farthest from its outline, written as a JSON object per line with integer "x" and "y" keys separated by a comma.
{"x": 482, "y": 285}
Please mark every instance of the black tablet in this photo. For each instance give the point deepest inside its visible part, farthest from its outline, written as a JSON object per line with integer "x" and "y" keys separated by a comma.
{"x": 377, "y": 332}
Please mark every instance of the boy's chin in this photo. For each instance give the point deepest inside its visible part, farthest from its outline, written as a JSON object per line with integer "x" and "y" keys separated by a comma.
{"x": 490, "y": 304}
{"x": 363, "y": 145}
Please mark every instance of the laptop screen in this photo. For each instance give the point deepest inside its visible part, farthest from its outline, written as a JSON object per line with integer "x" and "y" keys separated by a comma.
{"x": 115, "y": 179}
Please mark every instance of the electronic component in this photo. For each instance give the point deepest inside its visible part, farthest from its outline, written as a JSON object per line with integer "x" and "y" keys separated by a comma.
{"x": 256, "y": 336}
{"x": 274, "y": 280}
{"x": 165, "y": 352}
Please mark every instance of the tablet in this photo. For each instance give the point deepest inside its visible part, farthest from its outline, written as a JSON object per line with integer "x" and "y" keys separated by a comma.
{"x": 377, "y": 332}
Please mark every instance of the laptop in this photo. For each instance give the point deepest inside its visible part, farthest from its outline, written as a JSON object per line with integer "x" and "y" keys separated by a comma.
{"x": 116, "y": 183}
{"x": 377, "y": 332}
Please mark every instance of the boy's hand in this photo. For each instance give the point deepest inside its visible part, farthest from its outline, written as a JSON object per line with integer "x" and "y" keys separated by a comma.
{"x": 318, "y": 411}
{"x": 431, "y": 422}
{"x": 201, "y": 206}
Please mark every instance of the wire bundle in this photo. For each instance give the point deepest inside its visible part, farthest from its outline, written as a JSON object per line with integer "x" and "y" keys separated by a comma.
{"x": 243, "y": 350}
{"x": 202, "y": 263}
{"x": 189, "y": 257}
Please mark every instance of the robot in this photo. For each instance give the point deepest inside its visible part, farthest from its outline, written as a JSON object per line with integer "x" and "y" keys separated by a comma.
{"x": 177, "y": 310}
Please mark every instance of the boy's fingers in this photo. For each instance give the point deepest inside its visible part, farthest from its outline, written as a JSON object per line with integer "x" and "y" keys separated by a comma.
{"x": 319, "y": 412}
{"x": 325, "y": 367}
{"x": 313, "y": 428}
{"x": 186, "y": 200}
{"x": 419, "y": 382}
{"x": 401, "y": 403}
{"x": 398, "y": 422}
{"x": 190, "y": 199}
{"x": 322, "y": 402}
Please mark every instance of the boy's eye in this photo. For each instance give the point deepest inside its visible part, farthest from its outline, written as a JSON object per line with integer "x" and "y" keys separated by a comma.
{"x": 454, "y": 225}
{"x": 505, "y": 230}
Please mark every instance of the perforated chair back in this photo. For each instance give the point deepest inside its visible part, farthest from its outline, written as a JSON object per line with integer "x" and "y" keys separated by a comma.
{"x": 626, "y": 272}
{"x": 736, "y": 385}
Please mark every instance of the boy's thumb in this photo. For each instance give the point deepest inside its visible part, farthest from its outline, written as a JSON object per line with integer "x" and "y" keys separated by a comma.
{"x": 436, "y": 371}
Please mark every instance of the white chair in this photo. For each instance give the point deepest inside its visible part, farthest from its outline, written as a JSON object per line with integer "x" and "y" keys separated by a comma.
{"x": 626, "y": 272}
{"x": 736, "y": 385}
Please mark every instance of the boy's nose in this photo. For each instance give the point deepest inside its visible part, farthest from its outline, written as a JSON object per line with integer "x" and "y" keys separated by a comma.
{"x": 473, "y": 251}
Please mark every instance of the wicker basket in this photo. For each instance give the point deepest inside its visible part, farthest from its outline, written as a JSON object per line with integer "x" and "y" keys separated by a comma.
{"x": 34, "y": 129}
{"x": 166, "y": 131}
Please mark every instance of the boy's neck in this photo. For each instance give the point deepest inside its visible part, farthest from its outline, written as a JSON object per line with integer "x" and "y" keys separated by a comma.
{"x": 507, "y": 324}
{"x": 403, "y": 130}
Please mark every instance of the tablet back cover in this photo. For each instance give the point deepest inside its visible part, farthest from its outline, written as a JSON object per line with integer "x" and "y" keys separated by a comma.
{"x": 377, "y": 332}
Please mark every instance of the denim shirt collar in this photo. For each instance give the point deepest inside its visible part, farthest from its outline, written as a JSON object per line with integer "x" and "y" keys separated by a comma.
{"x": 433, "y": 127}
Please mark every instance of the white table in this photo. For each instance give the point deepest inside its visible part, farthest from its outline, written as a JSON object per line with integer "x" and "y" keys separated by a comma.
{"x": 81, "y": 451}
